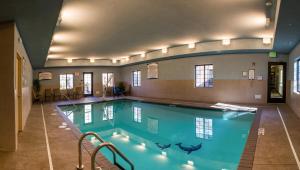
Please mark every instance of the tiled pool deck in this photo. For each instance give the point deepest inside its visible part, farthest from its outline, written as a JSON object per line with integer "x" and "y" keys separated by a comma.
{"x": 269, "y": 151}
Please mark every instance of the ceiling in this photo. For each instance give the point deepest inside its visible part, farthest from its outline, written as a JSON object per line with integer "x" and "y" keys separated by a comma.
{"x": 288, "y": 27}
{"x": 35, "y": 20}
{"x": 114, "y": 28}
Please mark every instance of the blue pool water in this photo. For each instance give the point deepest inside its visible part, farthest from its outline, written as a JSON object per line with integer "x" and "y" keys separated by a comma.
{"x": 134, "y": 128}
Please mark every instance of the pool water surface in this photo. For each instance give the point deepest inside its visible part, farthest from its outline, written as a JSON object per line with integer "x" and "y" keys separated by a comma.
{"x": 166, "y": 137}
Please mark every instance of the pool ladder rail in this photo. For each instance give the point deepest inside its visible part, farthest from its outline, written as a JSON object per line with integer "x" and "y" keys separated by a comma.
{"x": 103, "y": 144}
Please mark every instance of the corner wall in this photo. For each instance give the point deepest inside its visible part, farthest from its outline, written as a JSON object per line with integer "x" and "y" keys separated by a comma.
{"x": 176, "y": 79}
{"x": 293, "y": 97}
{"x": 8, "y": 133}
{"x": 9, "y": 47}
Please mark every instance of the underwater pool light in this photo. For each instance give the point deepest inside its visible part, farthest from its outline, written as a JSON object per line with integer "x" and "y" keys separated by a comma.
{"x": 191, "y": 163}
{"x": 93, "y": 139}
{"x": 163, "y": 153}
{"x": 115, "y": 133}
{"x": 143, "y": 144}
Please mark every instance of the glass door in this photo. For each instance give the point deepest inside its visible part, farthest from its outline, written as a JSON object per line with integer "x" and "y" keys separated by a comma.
{"x": 276, "y": 82}
{"x": 88, "y": 84}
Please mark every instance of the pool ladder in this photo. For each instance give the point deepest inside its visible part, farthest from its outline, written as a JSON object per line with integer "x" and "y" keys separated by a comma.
{"x": 103, "y": 144}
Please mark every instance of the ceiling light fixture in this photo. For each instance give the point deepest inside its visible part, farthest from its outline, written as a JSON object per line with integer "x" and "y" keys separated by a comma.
{"x": 226, "y": 42}
{"x": 126, "y": 58}
{"x": 70, "y": 60}
{"x": 143, "y": 54}
{"x": 267, "y": 40}
{"x": 164, "y": 50}
{"x": 192, "y": 45}
{"x": 114, "y": 60}
{"x": 92, "y": 60}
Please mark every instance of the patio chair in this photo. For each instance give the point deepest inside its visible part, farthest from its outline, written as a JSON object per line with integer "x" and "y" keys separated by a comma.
{"x": 48, "y": 94}
{"x": 56, "y": 94}
{"x": 78, "y": 92}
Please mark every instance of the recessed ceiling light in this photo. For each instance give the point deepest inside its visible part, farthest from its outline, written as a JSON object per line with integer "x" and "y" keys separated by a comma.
{"x": 192, "y": 45}
{"x": 164, "y": 50}
{"x": 143, "y": 54}
{"x": 58, "y": 37}
{"x": 114, "y": 60}
{"x": 269, "y": 3}
{"x": 226, "y": 42}
{"x": 70, "y": 60}
{"x": 267, "y": 40}
{"x": 268, "y": 21}
{"x": 57, "y": 49}
{"x": 92, "y": 60}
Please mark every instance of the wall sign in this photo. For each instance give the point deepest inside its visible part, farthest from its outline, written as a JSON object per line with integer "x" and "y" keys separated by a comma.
{"x": 251, "y": 74}
{"x": 152, "y": 72}
{"x": 245, "y": 73}
{"x": 45, "y": 76}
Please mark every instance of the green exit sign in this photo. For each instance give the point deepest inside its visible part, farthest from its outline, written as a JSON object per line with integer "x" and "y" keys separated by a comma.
{"x": 273, "y": 54}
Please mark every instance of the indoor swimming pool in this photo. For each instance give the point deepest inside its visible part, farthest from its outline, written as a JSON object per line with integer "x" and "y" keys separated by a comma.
{"x": 164, "y": 137}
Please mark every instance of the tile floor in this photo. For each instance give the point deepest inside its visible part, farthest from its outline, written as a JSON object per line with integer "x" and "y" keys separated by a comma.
{"x": 272, "y": 150}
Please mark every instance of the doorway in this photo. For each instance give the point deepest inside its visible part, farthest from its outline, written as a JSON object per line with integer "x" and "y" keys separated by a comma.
{"x": 19, "y": 92}
{"x": 88, "y": 84}
{"x": 276, "y": 82}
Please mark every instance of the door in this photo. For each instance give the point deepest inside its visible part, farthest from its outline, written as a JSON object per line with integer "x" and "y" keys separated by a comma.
{"x": 19, "y": 92}
{"x": 88, "y": 84}
{"x": 276, "y": 82}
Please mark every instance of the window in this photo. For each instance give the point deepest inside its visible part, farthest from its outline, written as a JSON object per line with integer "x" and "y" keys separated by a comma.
{"x": 66, "y": 81}
{"x": 204, "y": 128}
{"x": 87, "y": 113}
{"x": 204, "y": 75}
{"x": 108, "y": 113}
{"x": 137, "y": 114}
{"x": 70, "y": 115}
{"x": 136, "y": 78}
{"x": 88, "y": 83}
{"x": 298, "y": 75}
{"x": 108, "y": 79}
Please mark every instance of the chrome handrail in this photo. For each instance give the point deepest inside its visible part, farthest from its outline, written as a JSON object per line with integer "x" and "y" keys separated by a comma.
{"x": 114, "y": 149}
{"x": 80, "y": 166}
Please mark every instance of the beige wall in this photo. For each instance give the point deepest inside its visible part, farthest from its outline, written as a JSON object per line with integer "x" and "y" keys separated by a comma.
{"x": 8, "y": 98}
{"x": 293, "y": 96}
{"x": 26, "y": 77}
{"x": 176, "y": 79}
{"x": 78, "y": 80}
